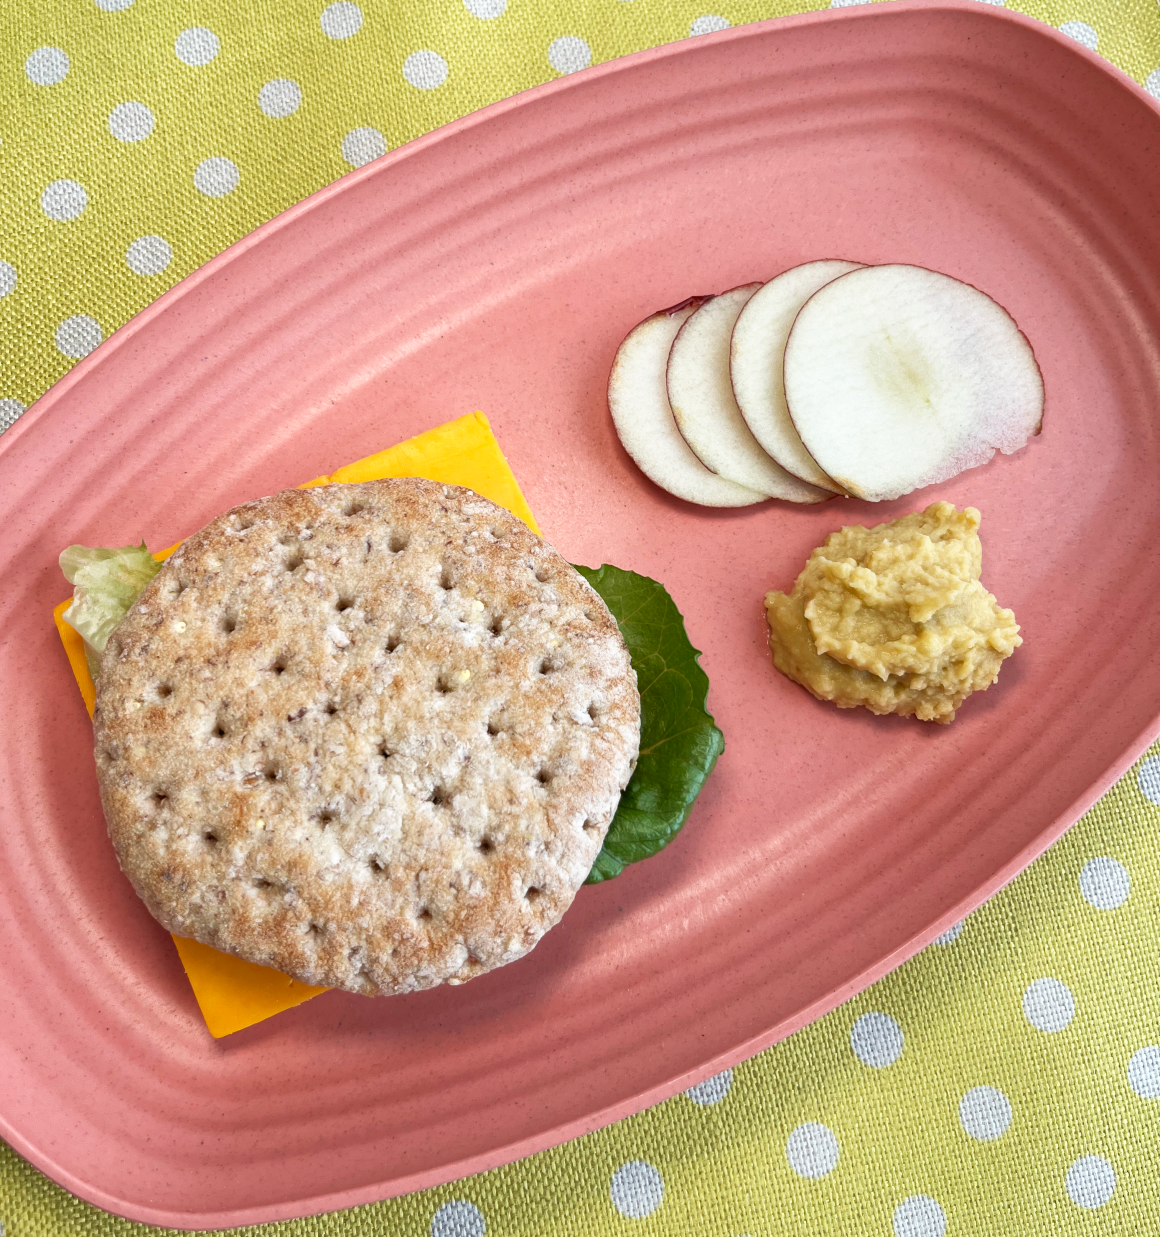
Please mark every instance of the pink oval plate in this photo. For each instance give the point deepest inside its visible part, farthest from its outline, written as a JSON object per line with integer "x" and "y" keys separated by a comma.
{"x": 495, "y": 265}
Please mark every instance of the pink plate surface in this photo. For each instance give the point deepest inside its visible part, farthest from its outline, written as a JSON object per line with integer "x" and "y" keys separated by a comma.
{"x": 495, "y": 265}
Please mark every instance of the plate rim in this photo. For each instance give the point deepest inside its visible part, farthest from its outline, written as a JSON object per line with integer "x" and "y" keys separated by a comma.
{"x": 344, "y": 1199}
{"x": 862, "y": 10}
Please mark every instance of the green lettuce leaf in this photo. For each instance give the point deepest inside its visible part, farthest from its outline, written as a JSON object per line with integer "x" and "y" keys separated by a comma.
{"x": 105, "y": 584}
{"x": 679, "y": 742}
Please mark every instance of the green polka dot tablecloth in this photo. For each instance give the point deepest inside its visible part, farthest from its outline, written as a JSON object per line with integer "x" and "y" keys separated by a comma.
{"x": 1004, "y": 1082}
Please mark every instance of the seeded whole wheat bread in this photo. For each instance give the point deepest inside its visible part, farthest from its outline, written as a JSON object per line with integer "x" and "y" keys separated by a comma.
{"x": 370, "y": 735}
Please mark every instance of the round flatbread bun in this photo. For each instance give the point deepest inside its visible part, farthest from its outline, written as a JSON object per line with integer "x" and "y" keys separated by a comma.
{"x": 370, "y": 735}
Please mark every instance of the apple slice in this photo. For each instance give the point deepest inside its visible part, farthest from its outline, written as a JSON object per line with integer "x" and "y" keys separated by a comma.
{"x": 707, "y": 415}
{"x": 756, "y": 354}
{"x": 639, "y": 403}
{"x": 897, "y": 377}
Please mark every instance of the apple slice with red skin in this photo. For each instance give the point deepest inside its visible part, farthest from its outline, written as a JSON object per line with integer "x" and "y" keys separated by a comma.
{"x": 639, "y": 403}
{"x": 898, "y": 377}
{"x": 701, "y": 397}
{"x": 757, "y": 351}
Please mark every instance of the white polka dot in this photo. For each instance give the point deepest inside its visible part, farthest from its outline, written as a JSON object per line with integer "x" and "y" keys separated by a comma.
{"x": 1144, "y": 1072}
{"x": 636, "y": 1189}
{"x": 341, "y": 20}
{"x": 1091, "y": 1181}
{"x": 149, "y": 255}
{"x": 362, "y": 145}
{"x": 919, "y": 1216}
{"x": 131, "y": 122}
{"x": 458, "y": 1218}
{"x": 7, "y": 278}
{"x": 280, "y": 98}
{"x": 951, "y": 935}
{"x": 708, "y": 25}
{"x": 1048, "y": 1005}
{"x": 215, "y": 177}
{"x": 876, "y": 1040}
{"x": 1082, "y": 33}
{"x": 1152, "y": 86}
{"x": 46, "y": 66}
{"x": 985, "y": 1113}
{"x": 77, "y": 336}
{"x": 485, "y": 9}
{"x": 1105, "y": 883}
{"x": 812, "y": 1150}
{"x": 425, "y": 70}
{"x": 1148, "y": 779}
{"x": 712, "y": 1090}
{"x": 196, "y": 46}
{"x": 113, "y": 6}
{"x": 568, "y": 54}
{"x": 63, "y": 199}
{"x": 845, "y": 4}
{"x": 10, "y": 409}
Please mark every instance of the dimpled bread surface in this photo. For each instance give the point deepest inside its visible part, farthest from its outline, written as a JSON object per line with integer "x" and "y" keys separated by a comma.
{"x": 369, "y": 735}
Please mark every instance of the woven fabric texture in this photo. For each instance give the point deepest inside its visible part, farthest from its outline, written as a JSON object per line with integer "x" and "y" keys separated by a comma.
{"x": 1004, "y": 1082}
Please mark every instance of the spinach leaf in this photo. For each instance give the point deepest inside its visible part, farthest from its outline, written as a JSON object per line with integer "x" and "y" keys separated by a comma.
{"x": 679, "y": 743}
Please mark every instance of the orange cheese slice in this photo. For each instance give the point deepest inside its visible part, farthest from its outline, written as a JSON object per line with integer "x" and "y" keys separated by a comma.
{"x": 231, "y": 993}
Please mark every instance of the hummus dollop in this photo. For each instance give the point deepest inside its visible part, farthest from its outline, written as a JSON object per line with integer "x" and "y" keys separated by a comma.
{"x": 894, "y": 618}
